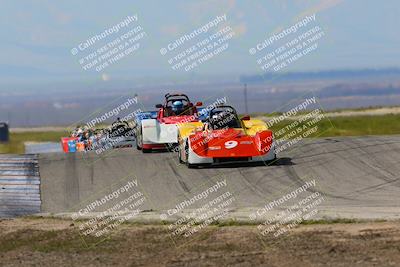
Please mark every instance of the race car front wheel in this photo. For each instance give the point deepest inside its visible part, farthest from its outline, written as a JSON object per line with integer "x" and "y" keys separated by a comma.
{"x": 189, "y": 165}
{"x": 139, "y": 141}
{"x": 180, "y": 154}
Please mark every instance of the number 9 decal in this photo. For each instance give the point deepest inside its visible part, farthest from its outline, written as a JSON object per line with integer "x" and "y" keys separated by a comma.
{"x": 230, "y": 144}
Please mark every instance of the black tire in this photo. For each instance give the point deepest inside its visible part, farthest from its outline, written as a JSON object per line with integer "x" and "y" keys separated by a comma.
{"x": 179, "y": 155}
{"x": 144, "y": 150}
{"x": 179, "y": 151}
{"x": 137, "y": 146}
{"x": 138, "y": 137}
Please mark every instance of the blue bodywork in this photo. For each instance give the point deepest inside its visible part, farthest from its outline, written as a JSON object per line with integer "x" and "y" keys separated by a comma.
{"x": 203, "y": 113}
{"x": 146, "y": 115}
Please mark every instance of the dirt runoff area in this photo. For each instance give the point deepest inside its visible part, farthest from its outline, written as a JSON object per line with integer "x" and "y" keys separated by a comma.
{"x": 56, "y": 242}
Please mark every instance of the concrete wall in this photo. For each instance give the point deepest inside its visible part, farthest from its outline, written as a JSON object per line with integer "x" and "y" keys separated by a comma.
{"x": 19, "y": 185}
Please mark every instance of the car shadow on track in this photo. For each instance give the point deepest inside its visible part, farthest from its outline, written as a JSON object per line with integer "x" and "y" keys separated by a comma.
{"x": 278, "y": 162}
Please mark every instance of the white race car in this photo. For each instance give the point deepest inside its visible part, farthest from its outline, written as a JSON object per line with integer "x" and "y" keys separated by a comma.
{"x": 161, "y": 131}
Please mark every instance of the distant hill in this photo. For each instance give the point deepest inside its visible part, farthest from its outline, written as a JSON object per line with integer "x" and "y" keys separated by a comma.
{"x": 341, "y": 90}
{"x": 329, "y": 74}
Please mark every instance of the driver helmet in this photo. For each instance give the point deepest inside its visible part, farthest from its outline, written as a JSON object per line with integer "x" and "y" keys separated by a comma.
{"x": 177, "y": 106}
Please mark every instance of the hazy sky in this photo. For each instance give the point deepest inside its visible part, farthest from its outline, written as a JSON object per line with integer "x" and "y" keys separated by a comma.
{"x": 37, "y": 36}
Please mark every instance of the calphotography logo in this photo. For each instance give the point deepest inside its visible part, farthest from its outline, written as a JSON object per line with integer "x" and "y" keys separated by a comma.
{"x": 104, "y": 130}
{"x": 278, "y": 55}
{"x": 202, "y": 44}
{"x": 111, "y": 47}
{"x": 105, "y": 214}
{"x": 200, "y": 133}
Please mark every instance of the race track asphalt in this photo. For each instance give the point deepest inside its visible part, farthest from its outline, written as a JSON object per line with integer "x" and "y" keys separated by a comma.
{"x": 358, "y": 177}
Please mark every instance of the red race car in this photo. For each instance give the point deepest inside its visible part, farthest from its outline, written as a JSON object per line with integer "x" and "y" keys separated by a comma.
{"x": 225, "y": 138}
